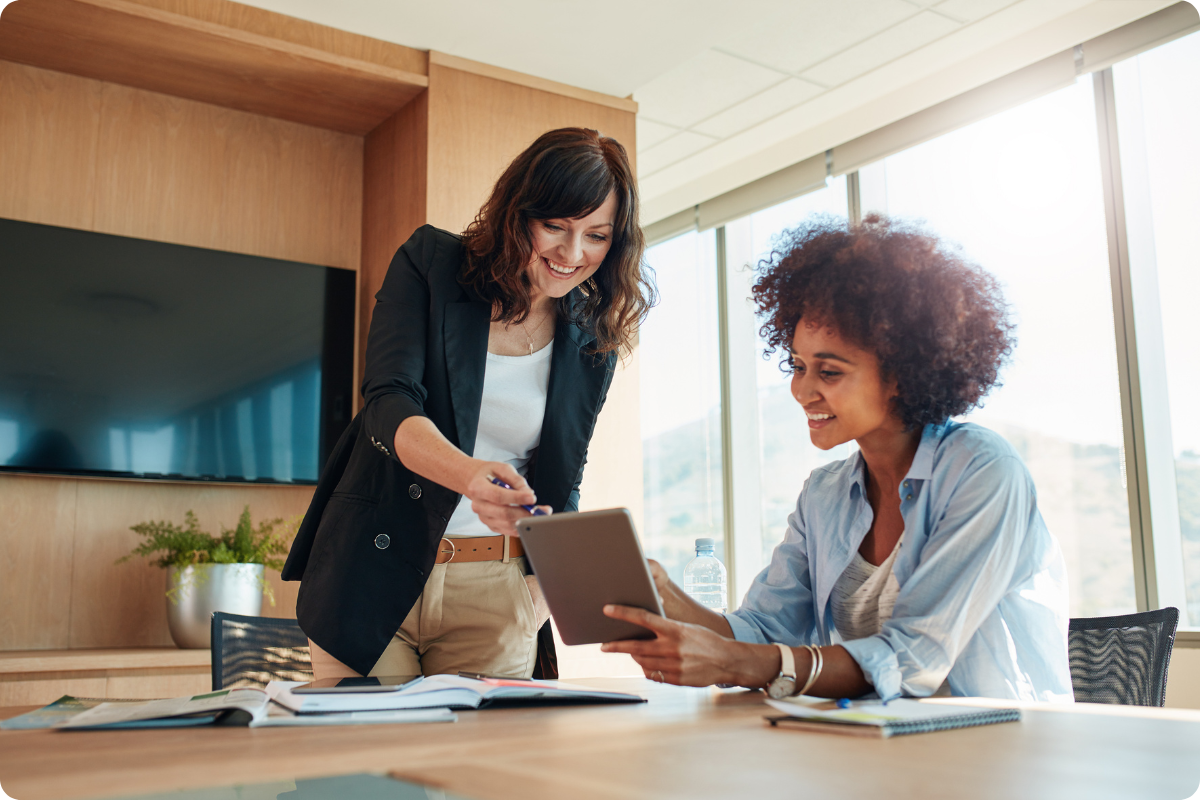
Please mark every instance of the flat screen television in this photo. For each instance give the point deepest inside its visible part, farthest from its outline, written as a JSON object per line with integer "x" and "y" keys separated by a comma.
{"x": 129, "y": 358}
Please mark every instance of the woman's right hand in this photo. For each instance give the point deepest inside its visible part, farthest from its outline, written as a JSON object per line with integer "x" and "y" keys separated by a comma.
{"x": 497, "y": 507}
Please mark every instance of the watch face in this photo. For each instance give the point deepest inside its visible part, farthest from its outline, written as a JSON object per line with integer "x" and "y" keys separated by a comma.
{"x": 781, "y": 687}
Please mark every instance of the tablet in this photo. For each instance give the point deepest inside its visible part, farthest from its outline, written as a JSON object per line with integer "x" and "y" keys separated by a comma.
{"x": 585, "y": 560}
{"x": 355, "y": 685}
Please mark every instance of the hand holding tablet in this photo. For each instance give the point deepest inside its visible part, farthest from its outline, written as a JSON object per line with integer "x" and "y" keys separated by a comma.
{"x": 585, "y": 561}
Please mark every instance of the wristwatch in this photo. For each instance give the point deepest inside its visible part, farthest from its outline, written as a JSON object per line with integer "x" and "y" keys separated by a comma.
{"x": 784, "y": 684}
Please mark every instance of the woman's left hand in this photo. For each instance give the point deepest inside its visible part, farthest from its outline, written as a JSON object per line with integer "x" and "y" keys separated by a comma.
{"x": 691, "y": 655}
{"x": 540, "y": 608}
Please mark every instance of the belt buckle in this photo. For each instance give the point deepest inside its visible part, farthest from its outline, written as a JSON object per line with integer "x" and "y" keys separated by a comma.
{"x": 441, "y": 551}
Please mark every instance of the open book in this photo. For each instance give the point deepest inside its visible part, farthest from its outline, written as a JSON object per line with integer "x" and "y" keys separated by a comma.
{"x": 878, "y": 719}
{"x": 452, "y": 691}
{"x": 252, "y": 707}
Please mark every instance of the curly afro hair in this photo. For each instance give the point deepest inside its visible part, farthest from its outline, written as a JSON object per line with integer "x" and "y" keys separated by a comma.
{"x": 938, "y": 324}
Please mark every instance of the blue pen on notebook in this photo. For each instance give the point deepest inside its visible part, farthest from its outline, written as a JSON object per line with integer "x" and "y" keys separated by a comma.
{"x": 537, "y": 512}
{"x": 843, "y": 703}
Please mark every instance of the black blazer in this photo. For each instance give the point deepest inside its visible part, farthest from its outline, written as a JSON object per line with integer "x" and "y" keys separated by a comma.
{"x": 370, "y": 537}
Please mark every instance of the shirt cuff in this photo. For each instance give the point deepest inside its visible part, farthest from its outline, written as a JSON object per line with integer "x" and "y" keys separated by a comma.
{"x": 743, "y": 631}
{"x": 878, "y": 663}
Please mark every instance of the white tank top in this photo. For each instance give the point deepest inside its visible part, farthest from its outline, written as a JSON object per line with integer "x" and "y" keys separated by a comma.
{"x": 510, "y": 422}
{"x": 864, "y": 596}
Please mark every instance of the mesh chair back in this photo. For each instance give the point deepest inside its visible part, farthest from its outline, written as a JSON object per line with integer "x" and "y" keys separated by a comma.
{"x": 251, "y": 651}
{"x": 1122, "y": 659}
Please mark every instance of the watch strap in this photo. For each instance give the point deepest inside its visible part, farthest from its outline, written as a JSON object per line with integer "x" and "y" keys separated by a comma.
{"x": 787, "y": 666}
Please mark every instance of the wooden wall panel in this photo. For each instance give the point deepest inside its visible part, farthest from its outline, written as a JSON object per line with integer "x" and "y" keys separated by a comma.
{"x": 85, "y": 154}
{"x": 477, "y": 125}
{"x": 395, "y": 163}
{"x": 97, "y": 156}
{"x": 49, "y": 130}
{"x": 190, "y": 173}
{"x": 123, "y": 605}
{"x": 37, "y": 519}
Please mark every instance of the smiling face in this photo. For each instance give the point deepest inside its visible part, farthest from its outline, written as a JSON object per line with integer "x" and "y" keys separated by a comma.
{"x": 566, "y": 252}
{"x": 840, "y": 387}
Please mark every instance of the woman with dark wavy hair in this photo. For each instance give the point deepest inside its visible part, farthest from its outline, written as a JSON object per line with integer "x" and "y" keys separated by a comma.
{"x": 920, "y": 565}
{"x": 489, "y": 358}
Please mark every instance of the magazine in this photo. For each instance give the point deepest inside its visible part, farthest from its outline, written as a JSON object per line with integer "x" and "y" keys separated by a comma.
{"x": 251, "y": 707}
{"x": 453, "y": 691}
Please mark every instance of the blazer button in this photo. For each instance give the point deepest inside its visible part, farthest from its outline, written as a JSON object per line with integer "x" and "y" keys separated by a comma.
{"x": 382, "y": 541}
{"x": 414, "y": 492}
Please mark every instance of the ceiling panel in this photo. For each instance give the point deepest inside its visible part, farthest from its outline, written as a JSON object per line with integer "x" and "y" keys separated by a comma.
{"x": 762, "y": 106}
{"x": 701, "y": 86}
{"x": 799, "y": 34}
{"x": 650, "y": 133}
{"x": 678, "y": 147}
{"x": 900, "y": 39}
{"x": 971, "y": 10}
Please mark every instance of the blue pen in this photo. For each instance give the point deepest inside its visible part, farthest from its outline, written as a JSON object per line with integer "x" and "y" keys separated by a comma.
{"x": 537, "y": 512}
{"x": 843, "y": 703}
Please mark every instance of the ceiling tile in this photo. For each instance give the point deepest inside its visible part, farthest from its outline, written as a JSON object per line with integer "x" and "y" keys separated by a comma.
{"x": 702, "y": 86}
{"x": 971, "y": 10}
{"x": 677, "y": 148}
{"x": 764, "y": 105}
{"x": 799, "y": 34}
{"x": 650, "y": 133}
{"x": 896, "y": 41}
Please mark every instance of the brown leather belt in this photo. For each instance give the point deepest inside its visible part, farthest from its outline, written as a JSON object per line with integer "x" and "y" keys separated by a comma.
{"x": 479, "y": 548}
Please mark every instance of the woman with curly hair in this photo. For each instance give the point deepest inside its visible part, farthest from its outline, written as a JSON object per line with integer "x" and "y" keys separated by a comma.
{"x": 920, "y": 565}
{"x": 489, "y": 358}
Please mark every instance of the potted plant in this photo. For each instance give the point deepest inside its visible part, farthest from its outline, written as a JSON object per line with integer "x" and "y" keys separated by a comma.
{"x": 207, "y": 573}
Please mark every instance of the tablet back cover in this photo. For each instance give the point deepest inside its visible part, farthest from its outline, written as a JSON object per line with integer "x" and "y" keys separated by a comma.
{"x": 585, "y": 560}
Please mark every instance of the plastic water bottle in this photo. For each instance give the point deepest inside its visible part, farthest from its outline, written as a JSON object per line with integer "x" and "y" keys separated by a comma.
{"x": 704, "y": 577}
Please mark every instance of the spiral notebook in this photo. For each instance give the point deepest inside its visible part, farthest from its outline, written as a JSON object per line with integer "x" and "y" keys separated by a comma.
{"x": 880, "y": 720}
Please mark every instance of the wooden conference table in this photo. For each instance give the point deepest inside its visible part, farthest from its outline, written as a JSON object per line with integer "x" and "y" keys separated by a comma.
{"x": 694, "y": 743}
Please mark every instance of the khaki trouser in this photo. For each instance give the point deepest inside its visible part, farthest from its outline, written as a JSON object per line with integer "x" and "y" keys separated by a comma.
{"x": 472, "y": 617}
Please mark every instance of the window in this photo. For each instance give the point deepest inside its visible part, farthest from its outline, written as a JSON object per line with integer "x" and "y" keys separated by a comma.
{"x": 1067, "y": 199}
{"x": 681, "y": 403}
{"x": 1158, "y": 120}
{"x": 1021, "y": 194}
{"x": 783, "y": 455}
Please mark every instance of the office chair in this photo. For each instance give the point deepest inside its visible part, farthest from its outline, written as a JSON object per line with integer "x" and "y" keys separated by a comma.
{"x": 1122, "y": 660}
{"x": 251, "y": 651}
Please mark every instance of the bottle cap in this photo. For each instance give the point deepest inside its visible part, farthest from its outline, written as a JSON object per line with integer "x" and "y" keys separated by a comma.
{"x": 706, "y": 543}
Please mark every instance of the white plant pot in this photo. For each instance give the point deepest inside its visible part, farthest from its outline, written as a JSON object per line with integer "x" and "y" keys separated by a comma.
{"x": 195, "y": 592}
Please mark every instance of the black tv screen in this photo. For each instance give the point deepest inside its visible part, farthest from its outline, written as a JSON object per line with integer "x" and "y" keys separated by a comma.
{"x": 128, "y": 358}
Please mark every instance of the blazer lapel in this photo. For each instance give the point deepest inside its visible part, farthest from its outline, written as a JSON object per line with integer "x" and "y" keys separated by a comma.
{"x": 576, "y": 378}
{"x": 466, "y": 336}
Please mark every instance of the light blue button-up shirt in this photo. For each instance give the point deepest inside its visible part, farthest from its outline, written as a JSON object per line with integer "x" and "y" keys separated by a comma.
{"x": 983, "y": 586}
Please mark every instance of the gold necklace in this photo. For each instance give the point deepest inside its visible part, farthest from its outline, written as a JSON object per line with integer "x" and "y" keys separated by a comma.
{"x": 535, "y": 330}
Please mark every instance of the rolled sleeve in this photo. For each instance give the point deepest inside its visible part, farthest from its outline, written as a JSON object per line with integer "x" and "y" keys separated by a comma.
{"x": 743, "y": 631}
{"x": 879, "y": 664}
{"x": 395, "y": 365}
{"x": 779, "y": 605}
